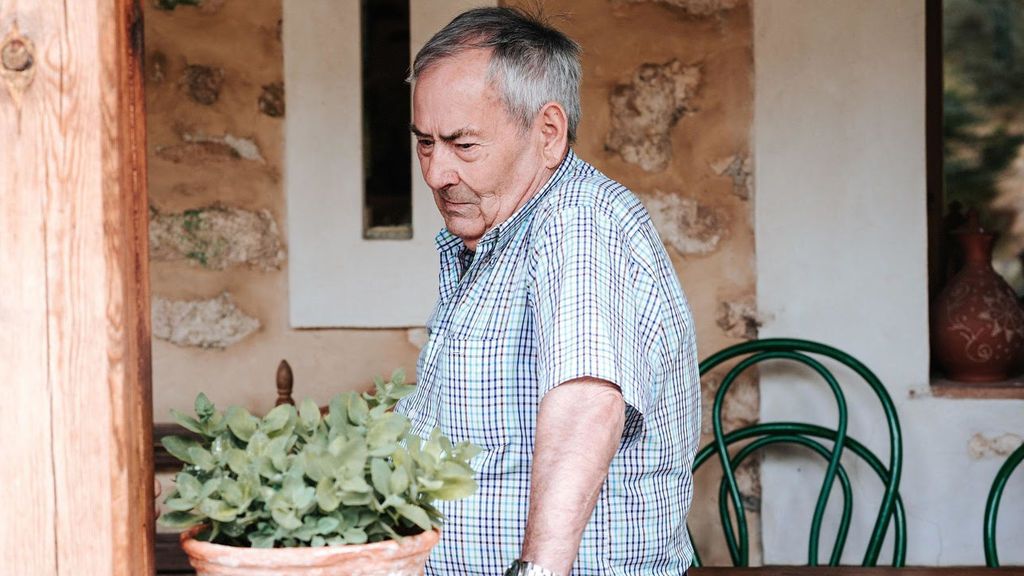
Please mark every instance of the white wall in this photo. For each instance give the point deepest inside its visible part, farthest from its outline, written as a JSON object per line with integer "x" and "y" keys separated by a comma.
{"x": 841, "y": 258}
{"x": 337, "y": 279}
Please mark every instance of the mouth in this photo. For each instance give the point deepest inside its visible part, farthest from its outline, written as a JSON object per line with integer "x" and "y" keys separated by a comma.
{"x": 455, "y": 201}
{"x": 451, "y": 202}
{"x": 455, "y": 210}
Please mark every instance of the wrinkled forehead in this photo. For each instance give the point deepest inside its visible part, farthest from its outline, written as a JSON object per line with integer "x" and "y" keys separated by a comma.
{"x": 455, "y": 93}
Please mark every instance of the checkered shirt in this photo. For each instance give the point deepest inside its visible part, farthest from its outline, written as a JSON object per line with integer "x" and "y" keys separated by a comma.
{"x": 575, "y": 284}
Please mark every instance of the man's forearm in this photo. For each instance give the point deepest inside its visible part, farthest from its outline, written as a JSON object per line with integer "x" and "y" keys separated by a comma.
{"x": 579, "y": 427}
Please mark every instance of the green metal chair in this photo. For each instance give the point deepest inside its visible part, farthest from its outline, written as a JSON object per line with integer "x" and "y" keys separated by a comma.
{"x": 829, "y": 444}
{"x": 992, "y": 506}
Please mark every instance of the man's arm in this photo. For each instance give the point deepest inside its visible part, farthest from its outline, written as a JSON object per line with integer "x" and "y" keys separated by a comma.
{"x": 579, "y": 427}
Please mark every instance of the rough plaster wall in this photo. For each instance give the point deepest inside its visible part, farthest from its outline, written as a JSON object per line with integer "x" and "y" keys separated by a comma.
{"x": 848, "y": 267}
{"x": 215, "y": 112}
{"x": 701, "y": 198}
{"x": 226, "y": 151}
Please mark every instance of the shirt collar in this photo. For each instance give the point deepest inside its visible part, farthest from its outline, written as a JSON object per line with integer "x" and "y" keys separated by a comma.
{"x": 501, "y": 234}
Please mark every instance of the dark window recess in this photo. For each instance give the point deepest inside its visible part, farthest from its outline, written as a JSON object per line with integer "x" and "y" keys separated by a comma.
{"x": 975, "y": 152}
{"x": 975, "y": 80}
{"x": 387, "y": 159}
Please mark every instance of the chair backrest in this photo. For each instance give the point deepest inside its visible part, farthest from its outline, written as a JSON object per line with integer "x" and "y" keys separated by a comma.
{"x": 995, "y": 494}
{"x": 836, "y": 443}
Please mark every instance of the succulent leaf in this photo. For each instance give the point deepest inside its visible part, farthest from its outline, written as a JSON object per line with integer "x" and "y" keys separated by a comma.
{"x": 204, "y": 408}
{"x": 241, "y": 423}
{"x": 187, "y": 422}
{"x": 296, "y": 478}
{"x": 180, "y": 520}
{"x": 178, "y": 447}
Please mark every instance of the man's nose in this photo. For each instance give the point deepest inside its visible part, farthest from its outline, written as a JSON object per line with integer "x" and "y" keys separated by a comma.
{"x": 439, "y": 170}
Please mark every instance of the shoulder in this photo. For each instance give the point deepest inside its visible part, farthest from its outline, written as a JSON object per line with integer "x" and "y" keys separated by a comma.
{"x": 586, "y": 192}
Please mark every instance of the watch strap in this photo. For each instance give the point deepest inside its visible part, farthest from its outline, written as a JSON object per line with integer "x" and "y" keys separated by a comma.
{"x": 522, "y": 568}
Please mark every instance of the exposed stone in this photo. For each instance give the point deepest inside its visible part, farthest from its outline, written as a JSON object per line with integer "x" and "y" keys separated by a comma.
{"x": 644, "y": 111}
{"x": 271, "y": 100}
{"x": 197, "y": 152}
{"x": 203, "y": 83}
{"x": 200, "y": 148}
{"x": 684, "y": 224}
{"x": 156, "y": 68}
{"x": 982, "y": 446}
{"x": 217, "y": 237}
{"x": 244, "y": 148}
{"x": 417, "y": 337}
{"x": 748, "y": 479}
{"x": 741, "y": 169}
{"x": 697, "y": 8}
{"x": 742, "y": 404}
{"x": 739, "y": 319}
{"x": 740, "y": 409}
{"x": 215, "y": 323}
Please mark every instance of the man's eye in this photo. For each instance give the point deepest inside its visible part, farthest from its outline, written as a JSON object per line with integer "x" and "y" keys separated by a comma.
{"x": 464, "y": 146}
{"x": 425, "y": 143}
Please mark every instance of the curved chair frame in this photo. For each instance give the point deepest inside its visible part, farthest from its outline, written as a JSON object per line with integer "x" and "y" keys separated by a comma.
{"x": 992, "y": 505}
{"x": 802, "y": 434}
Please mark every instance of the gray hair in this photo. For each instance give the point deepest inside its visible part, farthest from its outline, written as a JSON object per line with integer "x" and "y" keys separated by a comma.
{"x": 532, "y": 63}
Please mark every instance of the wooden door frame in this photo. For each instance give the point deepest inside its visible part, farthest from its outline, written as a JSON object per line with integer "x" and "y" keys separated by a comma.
{"x": 76, "y": 496}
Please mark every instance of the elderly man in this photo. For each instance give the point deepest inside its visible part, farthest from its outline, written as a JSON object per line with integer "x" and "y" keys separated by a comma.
{"x": 561, "y": 343}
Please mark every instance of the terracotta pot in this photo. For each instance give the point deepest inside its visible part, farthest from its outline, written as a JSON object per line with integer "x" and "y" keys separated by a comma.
{"x": 388, "y": 558}
{"x": 977, "y": 324}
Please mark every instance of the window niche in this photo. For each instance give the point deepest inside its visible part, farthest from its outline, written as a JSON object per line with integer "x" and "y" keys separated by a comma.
{"x": 975, "y": 79}
{"x": 386, "y": 116}
{"x": 361, "y": 222}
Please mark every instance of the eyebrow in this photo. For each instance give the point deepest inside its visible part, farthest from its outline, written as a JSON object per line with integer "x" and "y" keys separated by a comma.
{"x": 460, "y": 133}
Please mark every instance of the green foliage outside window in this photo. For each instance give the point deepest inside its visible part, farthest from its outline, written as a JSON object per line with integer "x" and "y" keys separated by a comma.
{"x": 983, "y": 94}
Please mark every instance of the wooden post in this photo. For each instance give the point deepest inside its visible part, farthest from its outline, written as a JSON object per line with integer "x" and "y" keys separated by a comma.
{"x": 76, "y": 489}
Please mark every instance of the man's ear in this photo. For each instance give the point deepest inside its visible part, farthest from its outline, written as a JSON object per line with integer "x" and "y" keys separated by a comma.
{"x": 554, "y": 132}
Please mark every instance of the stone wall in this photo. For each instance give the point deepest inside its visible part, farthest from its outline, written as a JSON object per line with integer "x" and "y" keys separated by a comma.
{"x": 668, "y": 111}
{"x": 216, "y": 104}
{"x": 667, "y": 101}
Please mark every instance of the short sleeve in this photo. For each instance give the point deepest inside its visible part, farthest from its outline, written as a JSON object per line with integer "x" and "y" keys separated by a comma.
{"x": 585, "y": 311}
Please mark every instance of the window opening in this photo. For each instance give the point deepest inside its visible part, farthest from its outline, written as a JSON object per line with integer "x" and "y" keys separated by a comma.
{"x": 387, "y": 204}
{"x": 976, "y": 129}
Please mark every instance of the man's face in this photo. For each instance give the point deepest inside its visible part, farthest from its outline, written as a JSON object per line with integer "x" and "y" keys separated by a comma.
{"x": 478, "y": 161}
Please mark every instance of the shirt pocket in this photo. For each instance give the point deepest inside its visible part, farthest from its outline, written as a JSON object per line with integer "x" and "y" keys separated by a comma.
{"x": 477, "y": 400}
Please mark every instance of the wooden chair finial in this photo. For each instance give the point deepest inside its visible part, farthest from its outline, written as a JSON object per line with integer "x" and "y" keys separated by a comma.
{"x": 285, "y": 382}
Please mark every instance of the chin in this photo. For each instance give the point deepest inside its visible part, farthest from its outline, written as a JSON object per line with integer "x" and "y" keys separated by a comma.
{"x": 463, "y": 229}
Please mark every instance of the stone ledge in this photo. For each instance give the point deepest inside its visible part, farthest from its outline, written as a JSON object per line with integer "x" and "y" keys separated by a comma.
{"x": 940, "y": 387}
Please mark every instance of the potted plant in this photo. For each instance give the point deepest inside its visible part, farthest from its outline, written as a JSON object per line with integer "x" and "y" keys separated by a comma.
{"x": 303, "y": 492}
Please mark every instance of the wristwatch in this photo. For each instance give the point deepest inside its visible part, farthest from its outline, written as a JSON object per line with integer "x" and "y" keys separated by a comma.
{"x": 521, "y": 568}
